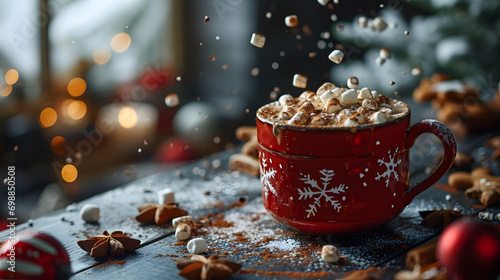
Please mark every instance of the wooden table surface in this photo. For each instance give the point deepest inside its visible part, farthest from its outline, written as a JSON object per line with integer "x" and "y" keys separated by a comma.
{"x": 241, "y": 231}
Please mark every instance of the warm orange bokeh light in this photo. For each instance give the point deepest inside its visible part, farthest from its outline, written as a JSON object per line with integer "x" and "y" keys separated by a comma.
{"x": 121, "y": 42}
{"x": 11, "y": 76}
{"x": 58, "y": 145}
{"x": 69, "y": 173}
{"x": 77, "y": 109}
{"x": 48, "y": 117}
{"x": 101, "y": 56}
{"x": 5, "y": 90}
{"x": 127, "y": 117}
{"x": 76, "y": 87}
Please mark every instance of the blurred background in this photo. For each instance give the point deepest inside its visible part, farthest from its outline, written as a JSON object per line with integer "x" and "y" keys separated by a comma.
{"x": 94, "y": 94}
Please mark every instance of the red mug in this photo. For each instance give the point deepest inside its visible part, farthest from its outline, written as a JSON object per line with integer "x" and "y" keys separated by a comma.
{"x": 325, "y": 180}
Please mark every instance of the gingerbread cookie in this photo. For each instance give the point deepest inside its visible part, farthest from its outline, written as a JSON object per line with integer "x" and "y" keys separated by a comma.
{"x": 458, "y": 105}
{"x": 248, "y": 160}
{"x": 479, "y": 184}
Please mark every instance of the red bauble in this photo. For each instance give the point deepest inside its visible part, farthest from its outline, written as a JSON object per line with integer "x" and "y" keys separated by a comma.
{"x": 469, "y": 250}
{"x": 34, "y": 255}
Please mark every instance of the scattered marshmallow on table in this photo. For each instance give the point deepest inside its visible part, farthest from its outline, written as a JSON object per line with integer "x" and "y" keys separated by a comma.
{"x": 352, "y": 82}
{"x": 329, "y": 254}
{"x": 336, "y": 56}
{"x": 197, "y": 246}
{"x": 300, "y": 81}
{"x": 90, "y": 213}
{"x": 349, "y": 97}
{"x": 183, "y": 232}
{"x": 291, "y": 21}
{"x": 165, "y": 196}
{"x": 258, "y": 40}
{"x": 188, "y": 220}
{"x": 323, "y": 2}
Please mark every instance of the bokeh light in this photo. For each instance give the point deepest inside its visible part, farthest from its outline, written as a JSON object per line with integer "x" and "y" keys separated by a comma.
{"x": 11, "y": 76}
{"x": 101, "y": 56}
{"x": 5, "y": 90}
{"x": 48, "y": 117}
{"x": 58, "y": 145}
{"x": 121, "y": 42}
{"x": 127, "y": 117}
{"x": 69, "y": 173}
{"x": 76, "y": 87}
{"x": 77, "y": 109}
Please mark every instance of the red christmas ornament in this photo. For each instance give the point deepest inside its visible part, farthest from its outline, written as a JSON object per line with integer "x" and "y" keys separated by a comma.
{"x": 469, "y": 250}
{"x": 33, "y": 255}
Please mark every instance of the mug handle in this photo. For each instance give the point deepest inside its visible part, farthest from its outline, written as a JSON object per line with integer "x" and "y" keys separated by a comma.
{"x": 450, "y": 150}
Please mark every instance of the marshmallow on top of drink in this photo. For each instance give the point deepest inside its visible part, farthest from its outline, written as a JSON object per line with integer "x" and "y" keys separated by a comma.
{"x": 332, "y": 106}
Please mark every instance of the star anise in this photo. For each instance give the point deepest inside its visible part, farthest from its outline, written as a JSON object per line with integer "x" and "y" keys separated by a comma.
{"x": 159, "y": 214}
{"x": 113, "y": 244}
{"x": 201, "y": 268}
{"x": 439, "y": 218}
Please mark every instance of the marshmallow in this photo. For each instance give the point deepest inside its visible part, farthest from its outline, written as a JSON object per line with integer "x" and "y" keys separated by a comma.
{"x": 365, "y": 93}
{"x": 369, "y": 104}
{"x": 323, "y": 2}
{"x": 188, "y": 220}
{"x": 183, "y": 232}
{"x": 352, "y": 82}
{"x": 375, "y": 94}
{"x": 349, "y": 97}
{"x": 362, "y": 22}
{"x": 332, "y": 105}
{"x": 258, "y": 40}
{"x": 291, "y": 21}
{"x": 286, "y": 99}
{"x": 307, "y": 95}
{"x": 485, "y": 216}
{"x": 172, "y": 100}
{"x": 336, "y": 56}
{"x": 165, "y": 196}
{"x": 416, "y": 71}
{"x": 300, "y": 81}
{"x": 379, "y": 117}
{"x": 300, "y": 118}
{"x": 307, "y": 107}
{"x": 90, "y": 213}
{"x": 197, "y": 246}
{"x": 384, "y": 53}
{"x": 327, "y": 95}
{"x": 325, "y": 87}
{"x": 380, "y": 61}
{"x": 337, "y": 93}
{"x": 329, "y": 254}
{"x": 350, "y": 122}
{"x": 285, "y": 116}
{"x": 378, "y": 24}
{"x": 318, "y": 120}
